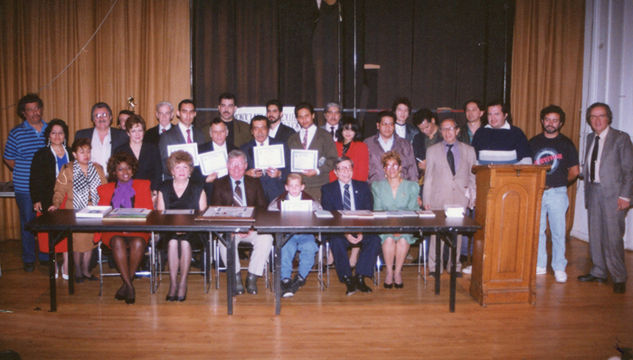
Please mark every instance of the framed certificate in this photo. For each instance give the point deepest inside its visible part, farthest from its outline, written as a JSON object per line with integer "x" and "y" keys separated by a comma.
{"x": 213, "y": 162}
{"x": 301, "y": 160}
{"x": 271, "y": 156}
{"x": 192, "y": 149}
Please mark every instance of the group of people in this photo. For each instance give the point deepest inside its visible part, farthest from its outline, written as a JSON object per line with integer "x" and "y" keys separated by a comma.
{"x": 412, "y": 162}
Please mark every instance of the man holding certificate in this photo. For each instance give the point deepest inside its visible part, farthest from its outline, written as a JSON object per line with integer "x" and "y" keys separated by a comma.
{"x": 212, "y": 156}
{"x": 266, "y": 158}
{"x": 312, "y": 151}
{"x": 183, "y": 133}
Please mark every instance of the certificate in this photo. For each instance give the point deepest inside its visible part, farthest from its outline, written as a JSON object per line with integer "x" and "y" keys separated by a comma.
{"x": 271, "y": 156}
{"x": 301, "y": 160}
{"x": 192, "y": 149}
{"x": 213, "y": 162}
{"x": 296, "y": 205}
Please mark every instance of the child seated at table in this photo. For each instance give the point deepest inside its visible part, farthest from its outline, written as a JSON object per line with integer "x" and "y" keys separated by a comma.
{"x": 304, "y": 243}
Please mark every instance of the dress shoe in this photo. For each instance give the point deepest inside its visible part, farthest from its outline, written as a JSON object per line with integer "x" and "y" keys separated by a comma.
{"x": 91, "y": 278}
{"x": 120, "y": 294}
{"x": 182, "y": 298}
{"x": 239, "y": 286}
{"x": 129, "y": 297}
{"x": 360, "y": 284}
{"x": 398, "y": 286}
{"x": 590, "y": 278}
{"x": 619, "y": 288}
{"x": 387, "y": 286}
{"x": 171, "y": 298}
{"x": 251, "y": 284}
{"x": 29, "y": 267}
{"x": 79, "y": 279}
{"x": 350, "y": 285}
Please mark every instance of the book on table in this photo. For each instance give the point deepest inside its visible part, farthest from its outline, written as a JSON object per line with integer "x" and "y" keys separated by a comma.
{"x": 129, "y": 214}
{"x": 356, "y": 214}
{"x": 93, "y": 212}
{"x": 232, "y": 213}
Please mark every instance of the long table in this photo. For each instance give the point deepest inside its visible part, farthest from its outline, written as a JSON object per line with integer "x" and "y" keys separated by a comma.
{"x": 61, "y": 223}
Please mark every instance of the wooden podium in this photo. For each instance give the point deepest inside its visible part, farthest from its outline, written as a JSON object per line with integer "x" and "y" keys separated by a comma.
{"x": 508, "y": 207}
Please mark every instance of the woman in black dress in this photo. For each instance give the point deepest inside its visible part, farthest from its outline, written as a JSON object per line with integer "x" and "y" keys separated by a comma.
{"x": 180, "y": 193}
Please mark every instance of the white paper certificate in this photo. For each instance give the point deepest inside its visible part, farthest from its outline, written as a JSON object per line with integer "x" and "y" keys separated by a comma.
{"x": 301, "y": 160}
{"x": 192, "y": 149}
{"x": 271, "y": 156}
{"x": 296, "y": 205}
{"x": 213, "y": 162}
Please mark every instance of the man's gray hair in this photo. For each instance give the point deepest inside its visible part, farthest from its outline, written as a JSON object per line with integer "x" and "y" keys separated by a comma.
{"x": 171, "y": 107}
{"x": 334, "y": 104}
{"x": 235, "y": 154}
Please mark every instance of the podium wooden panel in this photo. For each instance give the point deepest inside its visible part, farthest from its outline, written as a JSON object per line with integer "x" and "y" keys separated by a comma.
{"x": 504, "y": 252}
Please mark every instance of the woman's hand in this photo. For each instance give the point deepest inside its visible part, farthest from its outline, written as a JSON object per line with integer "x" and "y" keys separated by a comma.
{"x": 37, "y": 206}
{"x": 52, "y": 208}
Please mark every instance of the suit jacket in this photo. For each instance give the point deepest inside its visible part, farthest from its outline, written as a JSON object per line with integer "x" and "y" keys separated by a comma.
{"x": 152, "y": 136}
{"x": 273, "y": 187}
{"x": 241, "y": 133}
{"x": 410, "y": 132}
{"x": 322, "y": 142}
{"x": 409, "y": 166}
{"x": 197, "y": 173}
{"x": 440, "y": 186}
{"x": 118, "y": 137}
{"x": 149, "y": 164}
{"x": 616, "y": 165}
{"x": 173, "y": 136}
{"x": 43, "y": 176}
{"x": 332, "y": 198}
{"x": 223, "y": 192}
{"x": 283, "y": 133}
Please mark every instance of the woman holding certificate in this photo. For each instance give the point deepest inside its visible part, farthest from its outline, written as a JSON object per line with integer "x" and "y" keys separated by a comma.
{"x": 180, "y": 193}
{"x": 124, "y": 192}
{"x": 394, "y": 193}
{"x": 351, "y": 145}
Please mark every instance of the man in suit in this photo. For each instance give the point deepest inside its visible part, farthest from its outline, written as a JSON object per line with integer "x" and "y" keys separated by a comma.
{"x": 239, "y": 132}
{"x": 219, "y": 133}
{"x": 164, "y": 115}
{"x": 448, "y": 179}
{"x": 333, "y": 198}
{"x": 278, "y": 131}
{"x": 402, "y": 108}
{"x": 235, "y": 189}
{"x": 310, "y": 137}
{"x": 608, "y": 174}
{"x": 182, "y": 133}
{"x": 272, "y": 179}
{"x": 332, "y": 114}
{"x": 104, "y": 139}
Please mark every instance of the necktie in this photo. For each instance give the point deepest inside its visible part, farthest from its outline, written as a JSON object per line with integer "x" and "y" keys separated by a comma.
{"x": 188, "y": 136}
{"x": 450, "y": 158}
{"x": 237, "y": 194}
{"x": 162, "y": 131}
{"x": 347, "y": 200}
{"x": 594, "y": 158}
{"x": 305, "y": 138}
{"x": 332, "y": 132}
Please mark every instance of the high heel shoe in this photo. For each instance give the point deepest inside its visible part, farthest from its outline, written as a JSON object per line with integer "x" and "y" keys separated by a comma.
{"x": 172, "y": 297}
{"x": 398, "y": 286}
{"x": 129, "y": 297}
{"x": 120, "y": 294}
{"x": 184, "y": 297}
{"x": 387, "y": 286}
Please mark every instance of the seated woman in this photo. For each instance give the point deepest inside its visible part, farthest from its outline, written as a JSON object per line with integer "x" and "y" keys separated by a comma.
{"x": 76, "y": 188}
{"x": 180, "y": 193}
{"x": 123, "y": 192}
{"x": 46, "y": 165}
{"x": 394, "y": 193}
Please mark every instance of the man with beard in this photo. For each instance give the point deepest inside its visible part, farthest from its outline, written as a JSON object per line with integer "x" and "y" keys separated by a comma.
{"x": 555, "y": 149}
{"x": 239, "y": 131}
{"x": 278, "y": 131}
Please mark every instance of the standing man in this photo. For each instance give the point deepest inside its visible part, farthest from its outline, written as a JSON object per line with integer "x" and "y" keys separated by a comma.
{"x": 272, "y": 179}
{"x": 122, "y": 118}
{"x": 402, "y": 108}
{"x": 183, "y": 133}
{"x": 164, "y": 115}
{"x": 474, "y": 111}
{"x": 24, "y": 140}
{"x": 426, "y": 121}
{"x": 555, "y": 149}
{"x": 608, "y": 174}
{"x": 274, "y": 113}
{"x": 239, "y": 132}
{"x": 332, "y": 114}
{"x": 235, "y": 189}
{"x": 448, "y": 180}
{"x": 310, "y": 137}
{"x": 104, "y": 139}
{"x": 348, "y": 194}
{"x": 387, "y": 140}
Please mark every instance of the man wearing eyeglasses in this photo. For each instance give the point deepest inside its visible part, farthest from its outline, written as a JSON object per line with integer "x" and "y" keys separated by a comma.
{"x": 104, "y": 139}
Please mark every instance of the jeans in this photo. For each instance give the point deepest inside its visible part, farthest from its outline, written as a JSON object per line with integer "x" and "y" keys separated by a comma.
{"x": 25, "y": 207}
{"x": 306, "y": 246}
{"x": 553, "y": 208}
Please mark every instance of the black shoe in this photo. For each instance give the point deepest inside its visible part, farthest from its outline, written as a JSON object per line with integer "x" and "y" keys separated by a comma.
{"x": 171, "y": 298}
{"x": 29, "y": 267}
{"x": 120, "y": 294}
{"x": 129, "y": 297}
{"x": 251, "y": 284}
{"x": 79, "y": 279}
{"x": 286, "y": 288}
{"x": 591, "y": 278}
{"x": 360, "y": 284}
{"x": 91, "y": 278}
{"x": 298, "y": 281}
{"x": 351, "y": 286}
{"x": 239, "y": 287}
{"x": 182, "y": 298}
{"x": 387, "y": 286}
{"x": 619, "y": 288}
{"x": 398, "y": 286}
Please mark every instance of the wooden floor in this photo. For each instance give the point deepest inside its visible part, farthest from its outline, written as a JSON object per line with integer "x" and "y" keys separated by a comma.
{"x": 573, "y": 320}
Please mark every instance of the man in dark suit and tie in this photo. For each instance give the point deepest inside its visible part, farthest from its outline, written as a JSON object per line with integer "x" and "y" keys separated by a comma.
{"x": 272, "y": 179}
{"x": 277, "y": 131}
{"x": 104, "y": 138}
{"x": 164, "y": 114}
{"x": 608, "y": 175}
{"x": 332, "y": 114}
{"x": 348, "y": 194}
{"x": 182, "y": 133}
{"x": 235, "y": 189}
{"x": 219, "y": 133}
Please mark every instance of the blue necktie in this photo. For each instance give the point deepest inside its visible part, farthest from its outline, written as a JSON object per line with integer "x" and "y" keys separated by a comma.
{"x": 347, "y": 200}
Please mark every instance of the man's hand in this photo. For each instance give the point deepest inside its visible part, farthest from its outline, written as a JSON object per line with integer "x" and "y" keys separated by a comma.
{"x": 309, "y": 173}
{"x": 273, "y": 173}
{"x": 254, "y": 173}
{"x": 623, "y": 204}
{"x": 211, "y": 177}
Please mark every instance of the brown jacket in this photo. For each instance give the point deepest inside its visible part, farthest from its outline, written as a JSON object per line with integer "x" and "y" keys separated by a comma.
{"x": 64, "y": 185}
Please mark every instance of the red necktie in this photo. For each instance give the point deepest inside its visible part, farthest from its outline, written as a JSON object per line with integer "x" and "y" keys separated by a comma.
{"x": 305, "y": 139}
{"x": 188, "y": 136}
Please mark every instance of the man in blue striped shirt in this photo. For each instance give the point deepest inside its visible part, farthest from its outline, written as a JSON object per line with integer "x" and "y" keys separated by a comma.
{"x": 24, "y": 140}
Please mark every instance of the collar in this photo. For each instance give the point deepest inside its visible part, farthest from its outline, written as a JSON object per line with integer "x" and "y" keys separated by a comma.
{"x": 506, "y": 126}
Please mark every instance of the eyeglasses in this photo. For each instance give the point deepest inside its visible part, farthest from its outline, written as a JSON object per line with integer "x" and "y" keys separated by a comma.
{"x": 450, "y": 128}
{"x": 344, "y": 169}
{"x": 102, "y": 115}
